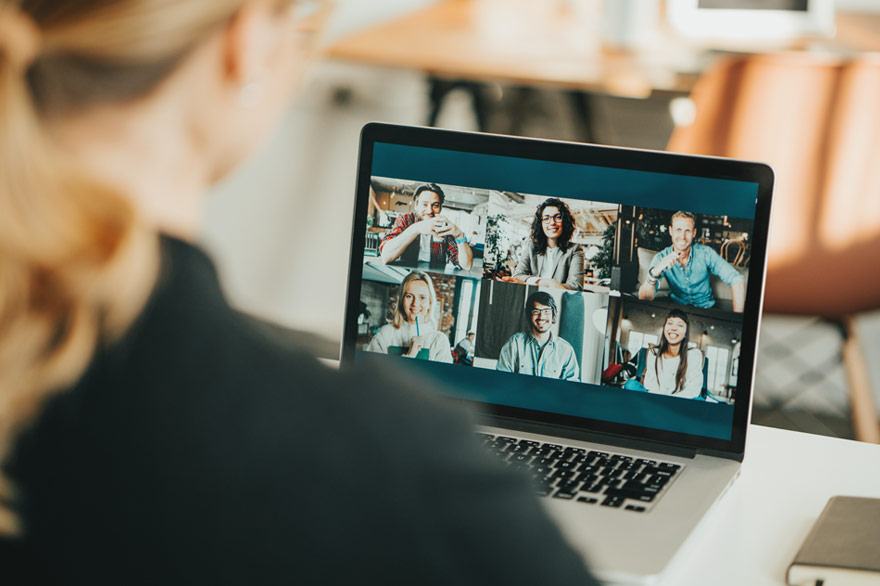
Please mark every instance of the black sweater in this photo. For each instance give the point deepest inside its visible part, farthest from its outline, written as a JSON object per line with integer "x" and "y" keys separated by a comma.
{"x": 204, "y": 448}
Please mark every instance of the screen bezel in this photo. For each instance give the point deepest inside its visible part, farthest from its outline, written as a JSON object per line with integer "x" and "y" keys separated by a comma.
{"x": 593, "y": 155}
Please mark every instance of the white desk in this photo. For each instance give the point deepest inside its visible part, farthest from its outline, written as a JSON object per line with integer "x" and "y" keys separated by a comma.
{"x": 757, "y": 528}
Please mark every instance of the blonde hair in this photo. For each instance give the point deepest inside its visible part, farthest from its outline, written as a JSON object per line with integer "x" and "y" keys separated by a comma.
{"x": 681, "y": 214}
{"x": 399, "y": 317}
{"x": 77, "y": 263}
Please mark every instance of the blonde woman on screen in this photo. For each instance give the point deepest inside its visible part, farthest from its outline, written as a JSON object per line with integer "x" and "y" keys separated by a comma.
{"x": 149, "y": 432}
{"x": 412, "y": 331}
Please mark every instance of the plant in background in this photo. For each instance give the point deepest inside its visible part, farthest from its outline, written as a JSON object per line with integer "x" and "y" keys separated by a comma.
{"x": 604, "y": 257}
{"x": 496, "y": 238}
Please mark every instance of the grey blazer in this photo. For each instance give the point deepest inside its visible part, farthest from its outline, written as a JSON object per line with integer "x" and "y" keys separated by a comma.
{"x": 569, "y": 268}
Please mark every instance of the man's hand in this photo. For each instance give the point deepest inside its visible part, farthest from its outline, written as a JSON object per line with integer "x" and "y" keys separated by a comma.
{"x": 425, "y": 227}
{"x": 511, "y": 280}
{"x": 443, "y": 228}
{"x": 665, "y": 264}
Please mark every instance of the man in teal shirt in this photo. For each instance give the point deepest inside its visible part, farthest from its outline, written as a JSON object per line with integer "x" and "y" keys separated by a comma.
{"x": 686, "y": 267}
{"x": 536, "y": 350}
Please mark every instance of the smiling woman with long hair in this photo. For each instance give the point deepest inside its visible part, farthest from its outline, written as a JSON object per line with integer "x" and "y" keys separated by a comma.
{"x": 671, "y": 367}
{"x": 413, "y": 329}
{"x": 550, "y": 258}
{"x": 149, "y": 432}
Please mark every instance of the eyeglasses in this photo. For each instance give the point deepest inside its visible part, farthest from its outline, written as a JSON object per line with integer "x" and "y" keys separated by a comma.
{"x": 553, "y": 218}
{"x": 542, "y": 312}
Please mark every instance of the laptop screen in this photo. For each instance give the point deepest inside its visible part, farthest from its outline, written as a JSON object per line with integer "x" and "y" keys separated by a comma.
{"x": 591, "y": 286}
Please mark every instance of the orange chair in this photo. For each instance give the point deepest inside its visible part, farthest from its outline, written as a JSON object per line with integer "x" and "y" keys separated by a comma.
{"x": 816, "y": 120}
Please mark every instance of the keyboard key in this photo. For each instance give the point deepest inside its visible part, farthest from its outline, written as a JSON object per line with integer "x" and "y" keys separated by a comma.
{"x": 636, "y": 508}
{"x": 586, "y": 477}
{"x": 587, "y": 499}
{"x": 563, "y": 494}
{"x": 571, "y": 487}
{"x": 563, "y": 474}
{"x": 612, "y": 501}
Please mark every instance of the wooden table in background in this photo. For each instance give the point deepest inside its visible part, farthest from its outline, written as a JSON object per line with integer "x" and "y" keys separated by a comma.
{"x": 538, "y": 43}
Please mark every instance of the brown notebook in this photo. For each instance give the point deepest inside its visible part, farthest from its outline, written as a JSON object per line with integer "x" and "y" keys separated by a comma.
{"x": 843, "y": 547}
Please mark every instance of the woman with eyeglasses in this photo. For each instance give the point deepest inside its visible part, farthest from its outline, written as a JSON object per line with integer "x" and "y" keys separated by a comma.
{"x": 413, "y": 331}
{"x": 550, "y": 259}
{"x": 149, "y": 432}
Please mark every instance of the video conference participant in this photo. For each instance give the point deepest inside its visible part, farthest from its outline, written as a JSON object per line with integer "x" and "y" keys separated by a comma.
{"x": 412, "y": 332}
{"x": 686, "y": 267}
{"x": 154, "y": 434}
{"x": 411, "y": 235}
{"x": 671, "y": 368}
{"x": 535, "y": 350}
{"x": 550, "y": 259}
{"x": 465, "y": 349}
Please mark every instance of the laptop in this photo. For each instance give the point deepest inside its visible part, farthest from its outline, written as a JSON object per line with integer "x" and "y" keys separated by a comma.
{"x": 599, "y": 305}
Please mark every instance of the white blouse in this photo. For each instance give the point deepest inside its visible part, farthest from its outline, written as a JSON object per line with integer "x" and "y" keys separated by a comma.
{"x": 387, "y": 336}
{"x": 662, "y": 380}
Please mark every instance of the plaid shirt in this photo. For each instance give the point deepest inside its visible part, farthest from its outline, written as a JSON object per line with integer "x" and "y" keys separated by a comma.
{"x": 405, "y": 221}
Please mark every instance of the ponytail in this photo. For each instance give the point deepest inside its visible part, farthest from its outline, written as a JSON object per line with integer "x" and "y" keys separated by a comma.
{"x": 76, "y": 262}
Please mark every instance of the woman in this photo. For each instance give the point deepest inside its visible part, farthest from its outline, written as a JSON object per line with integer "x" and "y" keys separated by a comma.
{"x": 550, "y": 259}
{"x": 151, "y": 434}
{"x": 671, "y": 368}
{"x": 412, "y": 331}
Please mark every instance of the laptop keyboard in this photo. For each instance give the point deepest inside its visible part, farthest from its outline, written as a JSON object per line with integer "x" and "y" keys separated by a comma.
{"x": 586, "y": 476}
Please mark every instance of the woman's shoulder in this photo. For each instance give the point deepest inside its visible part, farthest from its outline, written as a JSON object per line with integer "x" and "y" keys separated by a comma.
{"x": 528, "y": 246}
{"x": 386, "y": 329}
{"x": 438, "y": 336}
{"x": 574, "y": 249}
{"x": 695, "y": 354}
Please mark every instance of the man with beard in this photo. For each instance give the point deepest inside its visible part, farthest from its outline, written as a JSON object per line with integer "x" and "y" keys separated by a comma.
{"x": 686, "y": 267}
{"x": 536, "y": 350}
{"x": 425, "y": 235}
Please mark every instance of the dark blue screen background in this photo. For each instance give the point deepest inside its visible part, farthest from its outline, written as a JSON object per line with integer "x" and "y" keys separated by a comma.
{"x": 721, "y": 197}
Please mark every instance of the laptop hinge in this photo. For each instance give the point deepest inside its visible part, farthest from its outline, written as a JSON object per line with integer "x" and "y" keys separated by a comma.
{"x": 587, "y": 436}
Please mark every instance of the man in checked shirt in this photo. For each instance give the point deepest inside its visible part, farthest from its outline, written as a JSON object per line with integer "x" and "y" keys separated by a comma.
{"x": 425, "y": 235}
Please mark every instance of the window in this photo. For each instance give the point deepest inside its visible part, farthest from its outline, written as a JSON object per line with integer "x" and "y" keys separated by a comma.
{"x": 466, "y": 308}
{"x": 718, "y": 360}
{"x": 639, "y": 340}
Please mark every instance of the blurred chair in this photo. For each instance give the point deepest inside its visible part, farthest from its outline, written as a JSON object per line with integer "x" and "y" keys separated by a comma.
{"x": 816, "y": 120}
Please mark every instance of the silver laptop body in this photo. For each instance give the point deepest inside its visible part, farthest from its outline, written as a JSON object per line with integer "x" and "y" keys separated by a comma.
{"x": 597, "y": 370}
